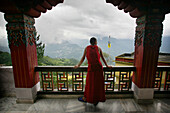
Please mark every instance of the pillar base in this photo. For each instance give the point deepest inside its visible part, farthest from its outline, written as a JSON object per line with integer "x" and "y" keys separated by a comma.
{"x": 144, "y": 101}
{"x": 27, "y": 95}
{"x": 143, "y": 95}
{"x": 25, "y": 101}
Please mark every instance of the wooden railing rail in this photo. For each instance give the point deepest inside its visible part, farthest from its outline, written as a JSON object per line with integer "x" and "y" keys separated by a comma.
{"x": 66, "y": 78}
{"x": 162, "y": 78}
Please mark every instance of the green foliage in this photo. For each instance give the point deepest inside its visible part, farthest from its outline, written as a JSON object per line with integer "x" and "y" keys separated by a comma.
{"x": 46, "y": 61}
{"x": 108, "y": 58}
{"x": 5, "y": 59}
{"x": 40, "y": 49}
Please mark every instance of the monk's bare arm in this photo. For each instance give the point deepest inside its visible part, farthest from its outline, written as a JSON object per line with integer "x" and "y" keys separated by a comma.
{"x": 82, "y": 59}
{"x": 101, "y": 54}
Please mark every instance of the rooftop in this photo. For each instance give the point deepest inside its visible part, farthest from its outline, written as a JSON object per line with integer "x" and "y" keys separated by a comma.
{"x": 163, "y": 57}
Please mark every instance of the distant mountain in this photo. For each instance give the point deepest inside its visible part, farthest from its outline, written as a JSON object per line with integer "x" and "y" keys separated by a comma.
{"x": 4, "y": 49}
{"x": 118, "y": 46}
{"x": 64, "y": 50}
{"x": 165, "y": 45}
{"x": 75, "y": 47}
{"x": 4, "y": 45}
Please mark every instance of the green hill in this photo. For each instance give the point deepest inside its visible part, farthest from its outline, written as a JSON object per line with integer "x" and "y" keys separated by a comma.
{"x": 5, "y": 58}
{"x": 48, "y": 61}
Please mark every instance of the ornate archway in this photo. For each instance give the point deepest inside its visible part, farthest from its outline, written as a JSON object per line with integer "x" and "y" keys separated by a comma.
{"x": 21, "y": 36}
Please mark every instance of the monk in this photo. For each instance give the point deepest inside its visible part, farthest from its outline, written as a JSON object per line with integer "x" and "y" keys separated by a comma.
{"x": 94, "y": 89}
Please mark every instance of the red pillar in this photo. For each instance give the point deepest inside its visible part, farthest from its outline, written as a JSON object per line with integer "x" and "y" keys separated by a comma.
{"x": 21, "y": 39}
{"x": 147, "y": 43}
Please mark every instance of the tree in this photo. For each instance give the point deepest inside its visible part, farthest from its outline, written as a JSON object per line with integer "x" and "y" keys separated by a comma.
{"x": 40, "y": 49}
{"x": 108, "y": 58}
{"x": 5, "y": 59}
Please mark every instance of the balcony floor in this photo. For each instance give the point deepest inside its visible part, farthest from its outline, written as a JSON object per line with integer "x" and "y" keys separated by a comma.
{"x": 8, "y": 105}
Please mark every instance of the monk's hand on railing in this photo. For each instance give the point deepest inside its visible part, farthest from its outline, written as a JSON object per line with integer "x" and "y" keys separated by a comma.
{"x": 76, "y": 66}
{"x": 109, "y": 67}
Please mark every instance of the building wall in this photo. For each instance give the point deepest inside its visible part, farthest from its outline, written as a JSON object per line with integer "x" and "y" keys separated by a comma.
{"x": 7, "y": 85}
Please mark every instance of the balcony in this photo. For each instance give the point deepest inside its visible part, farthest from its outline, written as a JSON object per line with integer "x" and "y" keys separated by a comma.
{"x": 118, "y": 81}
{"x": 60, "y": 87}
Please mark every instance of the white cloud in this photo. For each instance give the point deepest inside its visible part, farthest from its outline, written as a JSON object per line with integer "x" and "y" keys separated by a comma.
{"x": 81, "y": 19}
{"x": 3, "y": 33}
{"x": 166, "y": 28}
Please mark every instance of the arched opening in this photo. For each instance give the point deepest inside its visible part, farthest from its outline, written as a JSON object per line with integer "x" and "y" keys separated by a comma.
{"x": 70, "y": 25}
{"x": 3, "y": 34}
{"x": 165, "y": 47}
{"x": 147, "y": 44}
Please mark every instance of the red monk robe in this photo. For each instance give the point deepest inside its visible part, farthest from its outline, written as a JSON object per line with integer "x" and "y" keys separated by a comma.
{"x": 94, "y": 89}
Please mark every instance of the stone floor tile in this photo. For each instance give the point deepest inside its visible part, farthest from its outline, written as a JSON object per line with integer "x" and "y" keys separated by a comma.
{"x": 9, "y": 105}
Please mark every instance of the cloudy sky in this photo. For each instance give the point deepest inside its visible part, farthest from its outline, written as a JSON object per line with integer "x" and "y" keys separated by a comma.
{"x": 82, "y": 19}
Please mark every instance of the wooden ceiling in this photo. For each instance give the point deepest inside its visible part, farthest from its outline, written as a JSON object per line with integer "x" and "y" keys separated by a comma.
{"x": 138, "y": 8}
{"x": 34, "y": 8}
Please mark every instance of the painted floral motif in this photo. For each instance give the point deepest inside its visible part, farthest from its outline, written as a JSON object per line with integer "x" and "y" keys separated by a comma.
{"x": 138, "y": 37}
{"x": 153, "y": 39}
{"x": 20, "y": 30}
{"x": 16, "y": 38}
{"x": 149, "y": 30}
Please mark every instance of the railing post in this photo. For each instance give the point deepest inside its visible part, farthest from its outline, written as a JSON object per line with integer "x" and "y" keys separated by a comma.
{"x": 147, "y": 43}
{"x": 21, "y": 38}
{"x": 167, "y": 80}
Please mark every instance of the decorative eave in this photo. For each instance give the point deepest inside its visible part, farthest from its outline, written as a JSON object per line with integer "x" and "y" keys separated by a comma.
{"x": 138, "y": 8}
{"x": 32, "y": 8}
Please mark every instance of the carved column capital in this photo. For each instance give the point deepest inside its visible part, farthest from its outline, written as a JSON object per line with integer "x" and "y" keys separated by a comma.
{"x": 149, "y": 30}
{"x": 20, "y": 29}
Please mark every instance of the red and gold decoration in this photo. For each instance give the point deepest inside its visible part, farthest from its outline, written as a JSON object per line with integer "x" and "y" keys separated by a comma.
{"x": 20, "y": 30}
{"x": 167, "y": 81}
{"x": 77, "y": 79}
{"x": 62, "y": 81}
{"x": 47, "y": 81}
{"x": 158, "y": 79}
{"x": 124, "y": 81}
{"x": 109, "y": 78}
{"x": 147, "y": 43}
{"x": 21, "y": 38}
